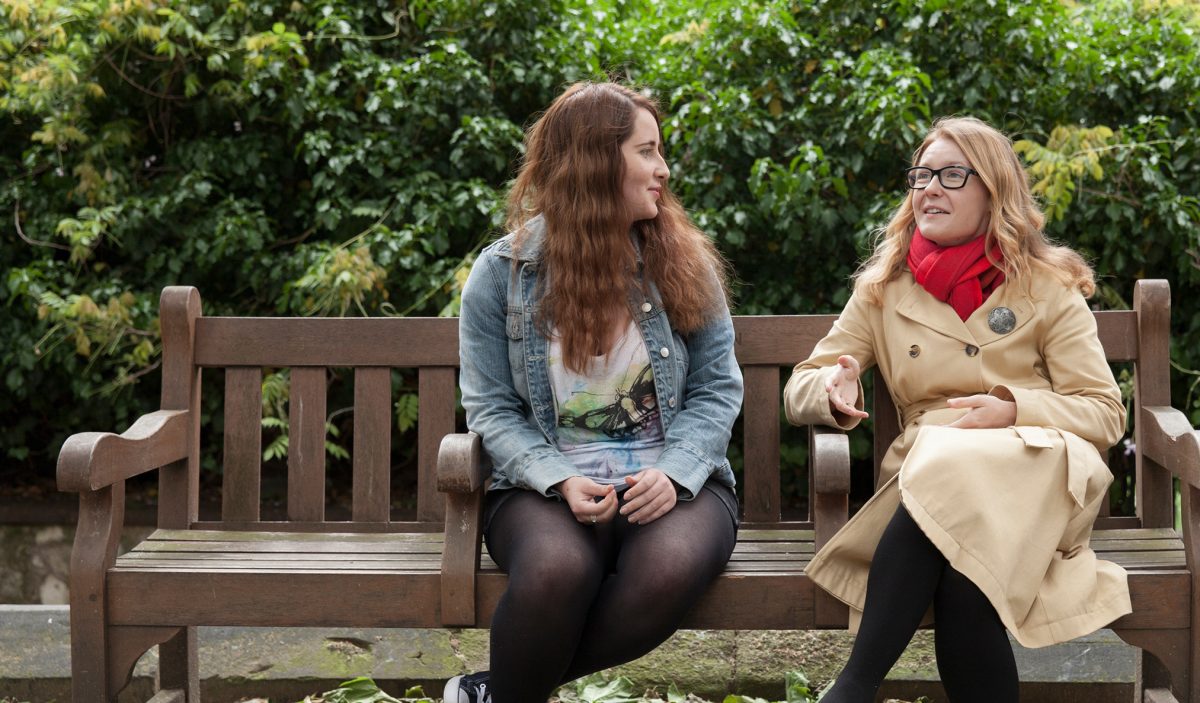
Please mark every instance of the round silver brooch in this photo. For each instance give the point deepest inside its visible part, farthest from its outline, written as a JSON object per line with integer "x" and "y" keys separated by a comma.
{"x": 1002, "y": 320}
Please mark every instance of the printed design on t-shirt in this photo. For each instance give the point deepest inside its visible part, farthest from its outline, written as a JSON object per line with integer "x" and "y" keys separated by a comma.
{"x": 626, "y": 415}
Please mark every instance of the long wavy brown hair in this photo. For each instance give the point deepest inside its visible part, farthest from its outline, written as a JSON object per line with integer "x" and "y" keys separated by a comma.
{"x": 572, "y": 175}
{"x": 1015, "y": 225}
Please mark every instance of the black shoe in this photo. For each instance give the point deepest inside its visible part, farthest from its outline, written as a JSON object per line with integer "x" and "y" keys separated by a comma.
{"x": 470, "y": 688}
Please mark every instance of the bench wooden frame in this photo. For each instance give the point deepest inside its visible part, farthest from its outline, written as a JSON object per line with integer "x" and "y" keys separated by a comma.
{"x": 430, "y": 572}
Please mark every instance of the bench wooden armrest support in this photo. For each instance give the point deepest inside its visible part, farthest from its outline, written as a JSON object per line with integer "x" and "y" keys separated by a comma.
{"x": 830, "y": 450}
{"x": 462, "y": 469}
{"x": 89, "y": 461}
{"x": 1171, "y": 442}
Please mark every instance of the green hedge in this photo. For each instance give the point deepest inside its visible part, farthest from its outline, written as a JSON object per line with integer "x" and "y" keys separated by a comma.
{"x": 350, "y": 157}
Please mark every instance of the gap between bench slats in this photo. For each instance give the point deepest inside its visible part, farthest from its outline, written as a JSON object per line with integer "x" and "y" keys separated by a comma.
{"x": 436, "y": 388}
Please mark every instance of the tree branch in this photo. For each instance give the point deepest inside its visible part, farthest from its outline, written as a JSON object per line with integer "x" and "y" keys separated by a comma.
{"x": 295, "y": 240}
{"x": 32, "y": 242}
{"x": 1115, "y": 196}
{"x": 130, "y": 81}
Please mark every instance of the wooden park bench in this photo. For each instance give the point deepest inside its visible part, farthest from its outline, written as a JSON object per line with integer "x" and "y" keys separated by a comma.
{"x": 427, "y": 572}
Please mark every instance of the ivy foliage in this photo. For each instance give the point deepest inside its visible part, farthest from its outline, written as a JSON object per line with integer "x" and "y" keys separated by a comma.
{"x": 349, "y": 157}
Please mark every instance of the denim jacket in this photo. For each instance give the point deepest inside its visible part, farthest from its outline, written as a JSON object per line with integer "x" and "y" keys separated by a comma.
{"x": 506, "y": 387}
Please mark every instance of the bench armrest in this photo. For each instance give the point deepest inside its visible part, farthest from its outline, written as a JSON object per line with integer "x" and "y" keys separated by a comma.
{"x": 1170, "y": 441}
{"x": 830, "y": 451}
{"x": 462, "y": 465}
{"x": 462, "y": 469}
{"x": 89, "y": 461}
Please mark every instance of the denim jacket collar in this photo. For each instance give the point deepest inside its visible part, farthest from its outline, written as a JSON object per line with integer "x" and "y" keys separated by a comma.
{"x": 534, "y": 233}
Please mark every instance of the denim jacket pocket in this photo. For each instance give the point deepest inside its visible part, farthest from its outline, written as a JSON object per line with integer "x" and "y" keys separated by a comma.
{"x": 515, "y": 326}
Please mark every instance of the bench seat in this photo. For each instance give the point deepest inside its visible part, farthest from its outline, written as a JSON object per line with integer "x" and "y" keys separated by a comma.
{"x": 186, "y": 577}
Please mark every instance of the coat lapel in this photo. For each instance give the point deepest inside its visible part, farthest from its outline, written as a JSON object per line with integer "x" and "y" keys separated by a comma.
{"x": 1005, "y": 296}
{"x": 921, "y": 307}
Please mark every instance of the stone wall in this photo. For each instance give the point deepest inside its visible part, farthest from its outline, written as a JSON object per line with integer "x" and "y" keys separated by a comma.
{"x": 35, "y": 562}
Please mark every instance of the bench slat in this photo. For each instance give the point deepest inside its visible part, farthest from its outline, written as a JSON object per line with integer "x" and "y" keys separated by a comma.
{"x": 288, "y": 547}
{"x": 761, "y": 427}
{"x": 778, "y": 340}
{"x": 299, "y": 565}
{"x": 1141, "y": 545}
{"x": 751, "y": 534}
{"x": 241, "y": 479}
{"x": 372, "y": 500}
{"x": 782, "y": 340}
{"x": 306, "y": 446}
{"x": 1141, "y": 533}
{"x": 324, "y": 527}
{"x": 265, "y": 536}
{"x": 1117, "y": 330}
{"x": 140, "y": 558}
{"x": 327, "y": 341}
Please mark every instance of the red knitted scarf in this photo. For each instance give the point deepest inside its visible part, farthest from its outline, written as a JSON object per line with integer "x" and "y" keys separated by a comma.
{"x": 960, "y": 275}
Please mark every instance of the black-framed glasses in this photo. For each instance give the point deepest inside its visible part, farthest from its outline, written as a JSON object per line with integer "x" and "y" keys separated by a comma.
{"x": 951, "y": 177}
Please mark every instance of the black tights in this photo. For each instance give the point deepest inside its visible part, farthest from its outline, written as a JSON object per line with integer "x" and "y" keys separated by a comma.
{"x": 908, "y": 573}
{"x": 582, "y": 598}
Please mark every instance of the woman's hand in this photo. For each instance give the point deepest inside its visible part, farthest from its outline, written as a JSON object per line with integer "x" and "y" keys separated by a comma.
{"x": 581, "y": 495}
{"x": 650, "y": 496}
{"x": 841, "y": 382}
{"x": 984, "y": 411}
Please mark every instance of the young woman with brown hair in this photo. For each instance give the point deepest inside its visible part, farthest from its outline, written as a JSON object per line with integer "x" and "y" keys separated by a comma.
{"x": 597, "y": 366}
{"x": 980, "y": 327}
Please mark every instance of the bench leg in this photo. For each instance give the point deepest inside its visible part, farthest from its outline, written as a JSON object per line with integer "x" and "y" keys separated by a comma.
{"x": 89, "y": 668}
{"x": 178, "y": 666}
{"x": 1166, "y": 661}
{"x": 100, "y": 517}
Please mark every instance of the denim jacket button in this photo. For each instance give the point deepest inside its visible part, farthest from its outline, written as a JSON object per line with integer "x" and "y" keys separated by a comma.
{"x": 647, "y": 307}
{"x": 664, "y": 352}
{"x": 671, "y": 402}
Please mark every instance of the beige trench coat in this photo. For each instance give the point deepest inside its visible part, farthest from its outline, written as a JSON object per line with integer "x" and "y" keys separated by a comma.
{"x": 1012, "y": 508}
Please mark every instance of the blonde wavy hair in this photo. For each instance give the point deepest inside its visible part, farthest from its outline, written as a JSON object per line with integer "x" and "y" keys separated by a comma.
{"x": 572, "y": 174}
{"x": 1016, "y": 219}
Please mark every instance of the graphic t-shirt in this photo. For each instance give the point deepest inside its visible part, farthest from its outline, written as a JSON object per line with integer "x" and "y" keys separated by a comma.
{"x": 608, "y": 419}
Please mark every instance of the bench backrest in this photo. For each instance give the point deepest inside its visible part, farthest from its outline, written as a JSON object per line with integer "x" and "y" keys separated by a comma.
{"x": 766, "y": 347}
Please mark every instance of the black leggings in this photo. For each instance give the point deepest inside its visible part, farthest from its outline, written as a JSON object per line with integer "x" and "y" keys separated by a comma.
{"x": 582, "y": 598}
{"x": 908, "y": 573}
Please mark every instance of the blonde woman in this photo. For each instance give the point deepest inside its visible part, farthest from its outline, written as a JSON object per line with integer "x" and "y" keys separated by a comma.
{"x": 981, "y": 329}
{"x": 598, "y": 368}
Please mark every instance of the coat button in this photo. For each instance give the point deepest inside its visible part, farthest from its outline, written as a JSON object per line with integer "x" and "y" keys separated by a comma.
{"x": 972, "y": 350}
{"x": 914, "y": 351}
{"x": 647, "y": 307}
{"x": 664, "y": 352}
{"x": 671, "y": 402}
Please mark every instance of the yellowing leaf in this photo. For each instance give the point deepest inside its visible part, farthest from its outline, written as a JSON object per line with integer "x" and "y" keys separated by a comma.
{"x": 19, "y": 12}
{"x": 83, "y": 345}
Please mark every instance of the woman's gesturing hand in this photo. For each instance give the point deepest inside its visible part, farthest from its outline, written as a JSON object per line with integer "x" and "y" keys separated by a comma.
{"x": 581, "y": 495}
{"x": 841, "y": 382}
{"x": 650, "y": 496}
{"x": 984, "y": 411}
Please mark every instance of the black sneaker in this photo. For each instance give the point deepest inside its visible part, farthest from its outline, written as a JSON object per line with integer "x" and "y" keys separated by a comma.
{"x": 471, "y": 688}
